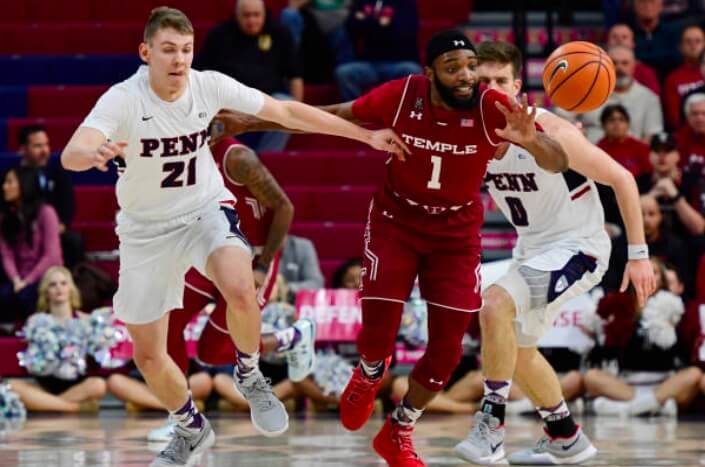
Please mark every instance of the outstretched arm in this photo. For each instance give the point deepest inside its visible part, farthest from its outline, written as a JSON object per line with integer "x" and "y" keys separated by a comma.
{"x": 594, "y": 163}
{"x": 235, "y": 123}
{"x": 243, "y": 166}
{"x": 298, "y": 116}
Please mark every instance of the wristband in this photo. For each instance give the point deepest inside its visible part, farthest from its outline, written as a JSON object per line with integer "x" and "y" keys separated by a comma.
{"x": 638, "y": 251}
{"x": 675, "y": 199}
{"x": 263, "y": 268}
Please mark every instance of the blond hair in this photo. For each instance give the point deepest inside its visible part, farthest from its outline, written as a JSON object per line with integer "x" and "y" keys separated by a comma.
{"x": 164, "y": 18}
{"x": 74, "y": 294}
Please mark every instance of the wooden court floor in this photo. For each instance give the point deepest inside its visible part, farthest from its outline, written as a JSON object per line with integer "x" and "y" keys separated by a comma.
{"x": 117, "y": 439}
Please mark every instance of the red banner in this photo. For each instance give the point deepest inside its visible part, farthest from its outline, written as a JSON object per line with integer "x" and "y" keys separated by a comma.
{"x": 335, "y": 311}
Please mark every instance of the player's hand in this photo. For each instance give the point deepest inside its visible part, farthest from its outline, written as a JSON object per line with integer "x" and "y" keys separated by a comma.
{"x": 521, "y": 127}
{"x": 260, "y": 277}
{"x": 107, "y": 152}
{"x": 232, "y": 123}
{"x": 640, "y": 273}
{"x": 387, "y": 140}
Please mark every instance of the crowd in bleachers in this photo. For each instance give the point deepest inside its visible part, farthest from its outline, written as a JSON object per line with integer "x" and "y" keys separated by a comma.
{"x": 57, "y": 61}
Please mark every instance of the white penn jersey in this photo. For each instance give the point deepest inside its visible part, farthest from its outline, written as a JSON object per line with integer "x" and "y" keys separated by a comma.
{"x": 548, "y": 210}
{"x": 169, "y": 169}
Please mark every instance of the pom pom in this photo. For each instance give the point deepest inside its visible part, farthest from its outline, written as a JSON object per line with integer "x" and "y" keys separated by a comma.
{"x": 332, "y": 372}
{"x": 12, "y": 411}
{"x": 41, "y": 358}
{"x": 661, "y": 314}
{"x": 104, "y": 335}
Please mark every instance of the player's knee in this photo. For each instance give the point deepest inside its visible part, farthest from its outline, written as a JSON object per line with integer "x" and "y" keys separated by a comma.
{"x": 240, "y": 295}
{"x": 497, "y": 309}
{"x": 149, "y": 361}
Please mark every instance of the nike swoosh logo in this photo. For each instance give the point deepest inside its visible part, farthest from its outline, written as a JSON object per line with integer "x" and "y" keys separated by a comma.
{"x": 562, "y": 65}
{"x": 568, "y": 446}
{"x": 494, "y": 448}
{"x": 144, "y": 119}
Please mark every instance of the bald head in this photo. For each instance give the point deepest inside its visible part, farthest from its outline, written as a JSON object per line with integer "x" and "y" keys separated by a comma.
{"x": 621, "y": 34}
{"x": 624, "y": 64}
{"x": 250, "y": 16}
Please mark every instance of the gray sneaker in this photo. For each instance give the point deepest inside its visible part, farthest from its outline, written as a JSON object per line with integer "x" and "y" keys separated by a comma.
{"x": 559, "y": 451}
{"x": 267, "y": 413}
{"x": 186, "y": 446}
{"x": 485, "y": 442}
{"x": 301, "y": 358}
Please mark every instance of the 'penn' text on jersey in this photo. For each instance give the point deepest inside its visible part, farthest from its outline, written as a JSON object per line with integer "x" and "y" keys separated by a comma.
{"x": 176, "y": 146}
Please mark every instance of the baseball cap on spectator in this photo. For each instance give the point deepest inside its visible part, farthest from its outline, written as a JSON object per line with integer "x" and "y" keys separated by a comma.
{"x": 663, "y": 142}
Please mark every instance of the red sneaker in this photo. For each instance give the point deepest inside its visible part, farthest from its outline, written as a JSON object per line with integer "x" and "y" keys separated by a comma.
{"x": 394, "y": 444}
{"x": 358, "y": 399}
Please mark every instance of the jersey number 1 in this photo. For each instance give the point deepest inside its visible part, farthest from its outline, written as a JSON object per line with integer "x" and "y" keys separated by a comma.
{"x": 435, "y": 182}
{"x": 518, "y": 212}
{"x": 175, "y": 169}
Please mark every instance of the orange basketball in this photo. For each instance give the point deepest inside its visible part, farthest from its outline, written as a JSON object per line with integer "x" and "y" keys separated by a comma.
{"x": 578, "y": 76}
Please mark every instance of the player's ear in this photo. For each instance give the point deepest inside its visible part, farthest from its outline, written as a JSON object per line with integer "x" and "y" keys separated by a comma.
{"x": 517, "y": 85}
{"x": 428, "y": 71}
{"x": 144, "y": 52}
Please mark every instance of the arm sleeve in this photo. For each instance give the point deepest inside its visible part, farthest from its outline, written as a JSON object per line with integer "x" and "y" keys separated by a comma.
{"x": 233, "y": 95}
{"x": 48, "y": 230}
{"x": 109, "y": 115}
{"x": 8, "y": 259}
{"x": 380, "y": 105}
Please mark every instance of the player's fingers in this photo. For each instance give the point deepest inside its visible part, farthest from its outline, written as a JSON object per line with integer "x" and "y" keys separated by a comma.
{"x": 399, "y": 142}
{"x": 500, "y": 132}
{"x": 502, "y": 108}
{"x": 525, "y": 101}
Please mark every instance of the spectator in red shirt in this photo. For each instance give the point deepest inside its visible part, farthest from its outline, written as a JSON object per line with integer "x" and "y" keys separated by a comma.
{"x": 690, "y": 138}
{"x": 632, "y": 153}
{"x": 686, "y": 77}
{"x": 622, "y": 34}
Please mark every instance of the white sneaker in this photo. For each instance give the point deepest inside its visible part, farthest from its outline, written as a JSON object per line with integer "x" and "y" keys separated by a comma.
{"x": 669, "y": 408}
{"x": 163, "y": 433}
{"x": 301, "y": 358}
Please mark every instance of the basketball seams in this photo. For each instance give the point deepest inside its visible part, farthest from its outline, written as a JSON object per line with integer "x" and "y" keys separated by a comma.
{"x": 592, "y": 85}
{"x": 563, "y": 55}
{"x": 577, "y": 70}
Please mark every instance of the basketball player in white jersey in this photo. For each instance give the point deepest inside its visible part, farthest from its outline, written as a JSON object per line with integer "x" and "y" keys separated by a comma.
{"x": 562, "y": 251}
{"x": 176, "y": 213}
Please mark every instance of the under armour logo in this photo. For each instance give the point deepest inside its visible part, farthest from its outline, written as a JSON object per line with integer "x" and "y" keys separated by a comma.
{"x": 458, "y": 43}
{"x": 416, "y": 115}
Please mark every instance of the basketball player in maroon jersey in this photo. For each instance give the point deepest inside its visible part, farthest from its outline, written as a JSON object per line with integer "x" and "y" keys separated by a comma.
{"x": 265, "y": 214}
{"x": 425, "y": 221}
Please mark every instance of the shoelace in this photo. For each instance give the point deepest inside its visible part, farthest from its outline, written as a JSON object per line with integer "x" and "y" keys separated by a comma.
{"x": 482, "y": 433}
{"x": 361, "y": 386}
{"x": 541, "y": 445}
{"x": 261, "y": 393}
{"x": 402, "y": 437}
{"x": 176, "y": 448}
